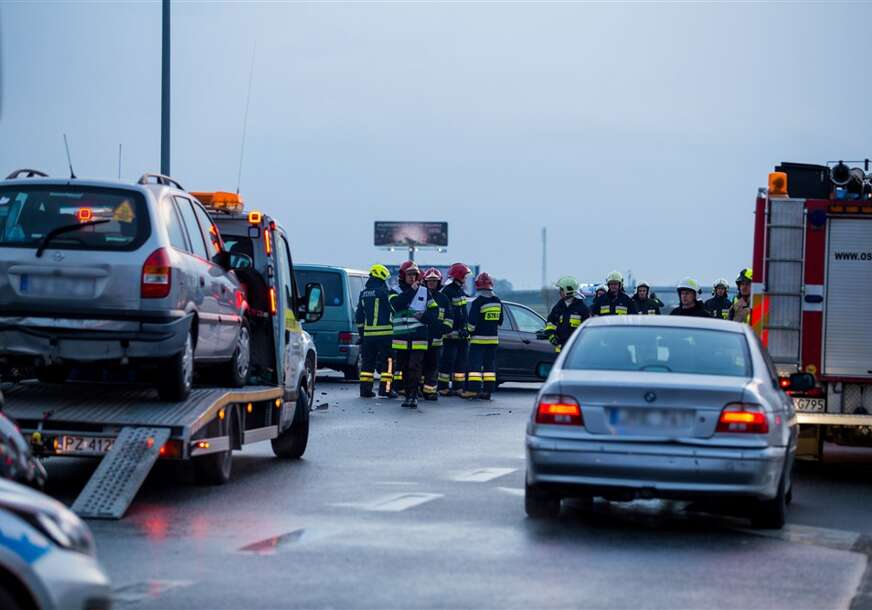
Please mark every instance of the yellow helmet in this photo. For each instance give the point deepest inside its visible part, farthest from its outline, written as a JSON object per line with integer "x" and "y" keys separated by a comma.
{"x": 379, "y": 272}
{"x": 745, "y": 275}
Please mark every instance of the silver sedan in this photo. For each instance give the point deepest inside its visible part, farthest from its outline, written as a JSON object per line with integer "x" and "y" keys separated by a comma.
{"x": 663, "y": 407}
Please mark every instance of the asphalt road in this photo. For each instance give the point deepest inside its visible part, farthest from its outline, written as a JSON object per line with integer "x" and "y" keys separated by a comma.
{"x": 392, "y": 508}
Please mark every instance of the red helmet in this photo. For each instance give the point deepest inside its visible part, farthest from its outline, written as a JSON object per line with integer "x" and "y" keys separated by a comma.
{"x": 483, "y": 282}
{"x": 409, "y": 266}
{"x": 458, "y": 271}
{"x": 433, "y": 274}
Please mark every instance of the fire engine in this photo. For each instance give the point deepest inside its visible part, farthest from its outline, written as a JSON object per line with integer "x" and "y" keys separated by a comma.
{"x": 812, "y": 269}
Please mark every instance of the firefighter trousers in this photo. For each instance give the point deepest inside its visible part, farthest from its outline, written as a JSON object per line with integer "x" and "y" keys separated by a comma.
{"x": 482, "y": 368}
{"x": 452, "y": 367}
{"x": 431, "y": 370}
{"x": 410, "y": 363}
{"x": 374, "y": 355}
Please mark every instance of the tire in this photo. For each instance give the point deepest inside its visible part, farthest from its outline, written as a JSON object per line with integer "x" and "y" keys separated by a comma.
{"x": 352, "y": 371}
{"x": 177, "y": 374}
{"x": 8, "y": 601}
{"x": 216, "y": 468}
{"x": 291, "y": 444}
{"x": 540, "y": 504}
{"x": 235, "y": 372}
{"x": 771, "y": 514}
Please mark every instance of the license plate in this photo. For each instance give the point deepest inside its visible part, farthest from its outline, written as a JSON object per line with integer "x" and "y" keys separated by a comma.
{"x": 810, "y": 405}
{"x": 660, "y": 419}
{"x": 93, "y": 445}
{"x": 50, "y": 286}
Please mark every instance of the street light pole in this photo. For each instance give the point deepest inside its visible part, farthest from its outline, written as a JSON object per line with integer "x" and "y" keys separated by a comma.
{"x": 165, "y": 93}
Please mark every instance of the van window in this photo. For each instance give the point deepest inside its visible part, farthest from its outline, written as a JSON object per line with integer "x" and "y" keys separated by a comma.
{"x": 331, "y": 282}
{"x": 29, "y": 213}
{"x": 170, "y": 216}
{"x": 194, "y": 234}
{"x": 210, "y": 231}
{"x": 356, "y": 283}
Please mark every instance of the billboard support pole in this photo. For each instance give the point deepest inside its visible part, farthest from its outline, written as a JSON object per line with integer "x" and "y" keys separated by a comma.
{"x": 411, "y": 249}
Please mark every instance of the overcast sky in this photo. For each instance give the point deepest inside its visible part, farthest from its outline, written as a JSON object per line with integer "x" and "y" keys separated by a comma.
{"x": 636, "y": 133}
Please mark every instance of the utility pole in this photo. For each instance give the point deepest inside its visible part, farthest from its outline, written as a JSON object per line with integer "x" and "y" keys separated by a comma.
{"x": 544, "y": 257}
{"x": 165, "y": 93}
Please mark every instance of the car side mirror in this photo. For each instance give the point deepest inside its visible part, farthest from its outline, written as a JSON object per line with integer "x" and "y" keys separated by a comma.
{"x": 312, "y": 307}
{"x": 543, "y": 369}
{"x": 801, "y": 382}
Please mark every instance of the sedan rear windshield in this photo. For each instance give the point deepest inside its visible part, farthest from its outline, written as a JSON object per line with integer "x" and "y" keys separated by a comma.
{"x": 110, "y": 219}
{"x": 660, "y": 349}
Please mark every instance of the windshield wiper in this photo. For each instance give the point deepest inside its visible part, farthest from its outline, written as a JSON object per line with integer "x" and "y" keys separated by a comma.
{"x": 65, "y": 229}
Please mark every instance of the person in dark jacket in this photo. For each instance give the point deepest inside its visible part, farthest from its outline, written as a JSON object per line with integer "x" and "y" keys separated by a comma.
{"x": 645, "y": 303}
{"x": 455, "y": 346}
{"x": 373, "y": 317}
{"x": 567, "y": 314}
{"x": 409, "y": 331}
{"x": 615, "y": 302}
{"x": 438, "y": 323}
{"x": 689, "y": 304}
{"x": 485, "y": 317}
{"x": 719, "y": 305}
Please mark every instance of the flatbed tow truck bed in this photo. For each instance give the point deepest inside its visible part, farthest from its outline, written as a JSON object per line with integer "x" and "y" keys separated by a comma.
{"x": 129, "y": 428}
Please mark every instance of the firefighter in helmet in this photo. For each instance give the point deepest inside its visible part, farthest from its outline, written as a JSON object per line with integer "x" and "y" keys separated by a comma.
{"x": 601, "y": 290}
{"x": 719, "y": 305}
{"x": 373, "y": 317}
{"x": 410, "y": 333}
{"x": 452, "y": 369}
{"x": 615, "y": 301}
{"x": 688, "y": 300}
{"x": 483, "y": 324}
{"x": 438, "y": 322}
{"x": 567, "y": 314}
{"x": 645, "y": 303}
{"x": 740, "y": 311}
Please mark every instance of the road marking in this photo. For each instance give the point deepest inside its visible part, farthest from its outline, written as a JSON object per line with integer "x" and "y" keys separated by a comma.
{"x": 512, "y": 491}
{"x": 277, "y": 544}
{"x": 146, "y": 589}
{"x": 394, "y": 503}
{"x": 482, "y": 475}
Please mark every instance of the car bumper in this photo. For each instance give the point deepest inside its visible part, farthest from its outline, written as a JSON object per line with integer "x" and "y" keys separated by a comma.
{"x": 652, "y": 469}
{"x": 88, "y": 340}
{"x": 72, "y": 580}
{"x": 342, "y": 359}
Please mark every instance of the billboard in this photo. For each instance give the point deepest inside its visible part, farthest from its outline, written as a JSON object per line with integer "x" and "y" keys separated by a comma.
{"x": 404, "y": 234}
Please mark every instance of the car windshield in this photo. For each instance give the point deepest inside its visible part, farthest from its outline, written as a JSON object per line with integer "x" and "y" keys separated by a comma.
{"x": 29, "y": 213}
{"x": 660, "y": 349}
{"x": 330, "y": 281}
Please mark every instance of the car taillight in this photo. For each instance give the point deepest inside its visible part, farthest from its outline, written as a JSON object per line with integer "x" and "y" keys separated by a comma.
{"x": 744, "y": 419}
{"x": 157, "y": 275}
{"x": 345, "y": 338}
{"x": 558, "y": 409}
{"x": 273, "y": 305}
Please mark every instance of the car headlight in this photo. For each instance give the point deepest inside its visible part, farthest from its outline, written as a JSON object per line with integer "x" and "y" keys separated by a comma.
{"x": 62, "y": 527}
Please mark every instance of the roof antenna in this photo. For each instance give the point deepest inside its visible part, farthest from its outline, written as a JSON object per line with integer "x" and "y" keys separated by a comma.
{"x": 245, "y": 117}
{"x": 69, "y": 159}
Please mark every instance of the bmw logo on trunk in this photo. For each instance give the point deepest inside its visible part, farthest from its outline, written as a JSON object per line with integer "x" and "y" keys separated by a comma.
{"x": 650, "y": 396}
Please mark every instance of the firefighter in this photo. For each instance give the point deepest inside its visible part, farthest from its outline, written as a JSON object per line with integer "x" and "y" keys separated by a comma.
{"x": 409, "y": 332}
{"x": 615, "y": 301}
{"x": 689, "y": 303}
{"x": 485, "y": 317}
{"x": 600, "y": 291}
{"x": 438, "y": 322}
{"x": 645, "y": 303}
{"x": 567, "y": 314}
{"x": 452, "y": 370}
{"x": 719, "y": 305}
{"x": 740, "y": 311}
{"x": 373, "y": 319}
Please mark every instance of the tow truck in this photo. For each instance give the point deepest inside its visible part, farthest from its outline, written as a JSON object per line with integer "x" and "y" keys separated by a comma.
{"x": 129, "y": 428}
{"x": 812, "y": 270}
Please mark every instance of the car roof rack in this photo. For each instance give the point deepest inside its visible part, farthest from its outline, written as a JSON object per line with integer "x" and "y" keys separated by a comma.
{"x": 28, "y": 173}
{"x": 160, "y": 179}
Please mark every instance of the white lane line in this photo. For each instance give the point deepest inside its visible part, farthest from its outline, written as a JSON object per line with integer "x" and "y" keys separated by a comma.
{"x": 146, "y": 589}
{"x": 482, "y": 475}
{"x": 840, "y": 540}
{"x": 512, "y": 491}
{"x": 394, "y": 503}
